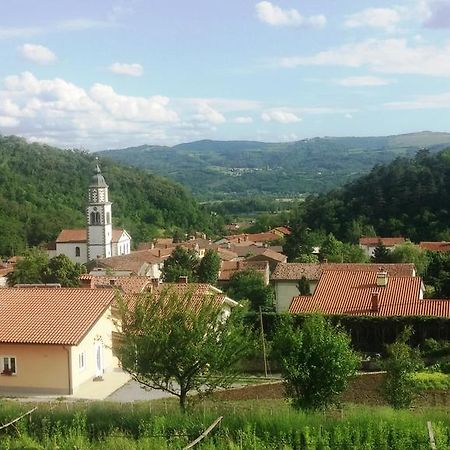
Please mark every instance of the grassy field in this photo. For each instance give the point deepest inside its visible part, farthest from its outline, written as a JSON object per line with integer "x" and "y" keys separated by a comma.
{"x": 256, "y": 424}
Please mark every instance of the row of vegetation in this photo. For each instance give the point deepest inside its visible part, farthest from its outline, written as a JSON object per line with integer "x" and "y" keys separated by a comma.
{"x": 44, "y": 189}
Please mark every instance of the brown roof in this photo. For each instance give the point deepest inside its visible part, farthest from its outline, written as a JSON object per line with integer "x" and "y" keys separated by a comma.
{"x": 225, "y": 254}
{"x": 270, "y": 254}
{"x": 49, "y": 315}
{"x": 74, "y": 235}
{"x": 312, "y": 271}
{"x": 128, "y": 284}
{"x": 135, "y": 262}
{"x": 229, "y": 268}
{"x": 80, "y": 235}
{"x": 376, "y": 240}
{"x": 442, "y": 246}
{"x": 253, "y": 237}
{"x": 283, "y": 230}
{"x": 350, "y": 293}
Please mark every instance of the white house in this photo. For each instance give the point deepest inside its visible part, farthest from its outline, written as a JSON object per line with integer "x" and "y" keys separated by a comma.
{"x": 98, "y": 239}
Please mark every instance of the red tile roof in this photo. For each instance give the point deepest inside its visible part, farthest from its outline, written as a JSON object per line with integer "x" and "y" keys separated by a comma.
{"x": 442, "y": 246}
{"x": 269, "y": 254}
{"x": 254, "y": 237}
{"x": 350, "y": 293}
{"x": 128, "y": 284}
{"x": 80, "y": 235}
{"x": 50, "y": 316}
{"x": 374, "y": 241}
{"x": 229, "y": 268}
{"x": 136, "y": 262}
{"x": 311, "y": 271}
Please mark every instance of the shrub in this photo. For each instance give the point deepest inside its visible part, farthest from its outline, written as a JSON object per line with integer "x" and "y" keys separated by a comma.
{"x": 316, "y": 361}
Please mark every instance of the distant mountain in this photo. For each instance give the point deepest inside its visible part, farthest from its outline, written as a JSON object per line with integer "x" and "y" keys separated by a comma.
{"x": 44, "y": 189}
{"x": 218, "y": 169}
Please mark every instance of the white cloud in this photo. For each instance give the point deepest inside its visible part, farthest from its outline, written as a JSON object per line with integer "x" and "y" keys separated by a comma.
{"x": 280, "y": 116}
{"x": 363, "y": 81}
{"x": 276, "y": 16}
{"x": 348, "y": 116}
{"x": 19, "y": 32}
{"x": 386, "y": 55}
{"x": 243, "y": 119}
{"x": 134, "y": 70}
{"x": 438, "y": 101}
{"x": 8, "y": 122}
{"x": 385, "y": 18}
{"x": 37, "y": 53}
{"x": 206, "y": 113}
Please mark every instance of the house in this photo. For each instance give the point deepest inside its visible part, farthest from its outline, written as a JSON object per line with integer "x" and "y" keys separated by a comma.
{"x": 273, "y": 258}
{"x": 127, "y": 284}
{"x": 369, "y": 244}
{"x": 54, "y": 340}
{"x": 369, "y": 293}
{"x": 229, "y": 268}
{"x": 287, "y": 276}
{"x": 441, "y": 246}
{"x": 99, "y": 239}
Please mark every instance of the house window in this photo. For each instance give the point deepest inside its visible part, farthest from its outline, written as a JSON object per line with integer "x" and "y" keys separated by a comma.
{"x": 82, "y": 360}
{"x": 8, "y": 365}
{"x": 77, "y": 251}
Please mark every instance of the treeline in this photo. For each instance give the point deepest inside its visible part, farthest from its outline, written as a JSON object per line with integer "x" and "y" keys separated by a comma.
{"x": 408, "y": 197}
{"x": 44, "y": 189}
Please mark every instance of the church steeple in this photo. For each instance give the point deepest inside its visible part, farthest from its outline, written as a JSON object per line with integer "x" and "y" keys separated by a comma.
{"x": 98, "y": 216}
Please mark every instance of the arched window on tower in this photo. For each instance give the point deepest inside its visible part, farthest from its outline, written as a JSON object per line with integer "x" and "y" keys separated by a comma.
{"x": 77, "y": 251}
{"x": 97, "y": 217}
{"x": 92, "y": 218}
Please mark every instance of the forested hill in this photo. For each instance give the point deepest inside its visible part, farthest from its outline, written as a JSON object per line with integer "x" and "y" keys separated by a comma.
{"x": 408, "y": 197}
{"x": 219, "y": 169}
{"x": 44, "y": 189}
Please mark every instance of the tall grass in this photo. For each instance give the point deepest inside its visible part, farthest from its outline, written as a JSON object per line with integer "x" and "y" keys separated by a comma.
{"x": 246, "y": 425}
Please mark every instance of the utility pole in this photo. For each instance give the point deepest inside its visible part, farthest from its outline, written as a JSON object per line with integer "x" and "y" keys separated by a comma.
{"x": 263, "y": 341}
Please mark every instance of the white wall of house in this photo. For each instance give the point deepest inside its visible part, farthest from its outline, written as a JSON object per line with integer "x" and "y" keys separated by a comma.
{"x": 285, "y": 290}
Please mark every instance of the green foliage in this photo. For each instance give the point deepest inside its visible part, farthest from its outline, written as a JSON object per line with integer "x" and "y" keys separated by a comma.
{"x": 402, "y": 361}
{"x": 403, "y": 198}
{"x": 249, "y": 285}
{"x": 182, "y": 262}
{"x": 43, "y": 189}
{"x": 410, "y": 253}
{"x": 316, "y": 362}
{"x": 332, "y": 250}
{"x": 217, "y": 170}
{"x": 437, "y": 274}
{"x": 178, "y": 343}
{"x": 298, "y": 244}
{"x": 208, "y": 269}
{"x": 381, "y": 254}
{"x": 36, "y": 267}
{"x": 303, "y": 286}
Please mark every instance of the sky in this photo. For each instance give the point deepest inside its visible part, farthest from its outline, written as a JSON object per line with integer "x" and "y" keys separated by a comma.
{"x": 111, "y": 74}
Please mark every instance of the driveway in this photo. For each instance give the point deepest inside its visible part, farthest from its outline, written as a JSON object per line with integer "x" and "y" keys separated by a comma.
{"x": 133, "y": 392}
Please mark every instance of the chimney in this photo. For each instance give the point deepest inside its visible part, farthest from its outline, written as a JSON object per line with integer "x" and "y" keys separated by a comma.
{"x": 155, "y": 282}
{"x": 325, "y": 260}
{"x": 183, "y": 279}
{"x": 159, "y": 253}
{"x": 382, "y": 278}
{"x": 112, "y": 282}
{"x": 238, "y": 265}
{"x": 239, "y": 240}
{"x": 375, "y": 306}
{"x": 245, "y": 237}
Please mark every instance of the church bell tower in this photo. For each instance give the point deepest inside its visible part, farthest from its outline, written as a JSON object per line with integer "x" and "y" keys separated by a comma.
{"x": 98, "y": 216}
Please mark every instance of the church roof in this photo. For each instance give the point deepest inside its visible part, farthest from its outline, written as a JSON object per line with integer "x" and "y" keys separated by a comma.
{"x": 97, "y": 179}
{"x": 80, "y": 235}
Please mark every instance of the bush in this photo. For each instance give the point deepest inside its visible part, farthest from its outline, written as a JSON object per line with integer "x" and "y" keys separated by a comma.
{"x": 399, "y": 387}
{"x": 316, "y": 361}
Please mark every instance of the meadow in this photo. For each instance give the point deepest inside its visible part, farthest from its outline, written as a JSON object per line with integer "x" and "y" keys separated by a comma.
{"x": 255, "y": 424}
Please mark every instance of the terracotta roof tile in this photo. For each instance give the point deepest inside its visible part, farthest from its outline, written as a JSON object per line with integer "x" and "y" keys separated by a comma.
{"x": 442, "y": 246}
{"x": 270, "y": 254}
{"x": 136, "y": 262}
{"x": 311, "y": 271}
{"x": 376, "y": 240}
{"x": 350, "y": 293}
{"x": 50, "y": 316}
{"x": 80, "y": 235}
{"x": 128, "y": 284}
{"x": 229, "y": 268}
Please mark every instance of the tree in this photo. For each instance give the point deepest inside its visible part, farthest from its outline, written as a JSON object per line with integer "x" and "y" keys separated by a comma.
{"x": 61, "y": 269}
{"x": 35, "y": 267}
{"x": 249, "y": 285}
{"x": 298, "y": 243}
{"x": 172, "y": 342}
{"x": 410, "y": 253}
{"x": 208, "y": 269}
{"x": 401, "y": 362}
{"x": 182, "y": 262}
{"x": 30, "y": 269}
{"x": 381, "y": 254}
{"x": 316, "y": 361}
{"x": 332, "y": 250}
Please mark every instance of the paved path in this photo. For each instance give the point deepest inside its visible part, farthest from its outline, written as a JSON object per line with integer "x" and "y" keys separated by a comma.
{"x": 133, "y": 392}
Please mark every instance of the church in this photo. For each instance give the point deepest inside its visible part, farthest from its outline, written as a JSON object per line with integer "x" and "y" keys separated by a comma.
{"x": 99, "y": 239}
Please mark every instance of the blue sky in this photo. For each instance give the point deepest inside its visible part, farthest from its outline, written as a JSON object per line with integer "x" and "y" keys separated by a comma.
{"x": 110, "y": 74}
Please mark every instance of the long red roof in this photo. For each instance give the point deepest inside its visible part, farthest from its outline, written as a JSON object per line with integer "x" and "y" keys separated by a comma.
{"x": 350, "y": 293}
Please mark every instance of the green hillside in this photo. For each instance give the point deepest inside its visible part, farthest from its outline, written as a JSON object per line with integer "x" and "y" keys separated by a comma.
{"x": 217, "y": 169}
{"x": 44, "y": 189}
{"x": 408, "y": 197}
